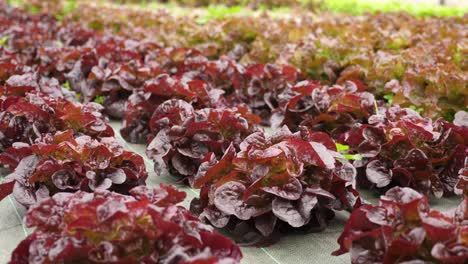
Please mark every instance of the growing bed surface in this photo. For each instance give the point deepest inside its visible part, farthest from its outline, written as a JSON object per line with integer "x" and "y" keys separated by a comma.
{"x": 293, "y": 248}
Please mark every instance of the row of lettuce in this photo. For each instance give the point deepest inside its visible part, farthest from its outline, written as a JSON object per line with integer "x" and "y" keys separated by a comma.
{"x": 415, "y": 62}
{"x": 203, "y": 119}
{"x": 223, "y": 8}
{"x": 86, "y": 195}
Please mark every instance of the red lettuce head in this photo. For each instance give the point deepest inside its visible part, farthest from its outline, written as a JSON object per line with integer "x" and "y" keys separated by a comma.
{"x": 23, "y": 119}
{"x": 262, "y": 83}
{"x": 403, "y": 228}
{"x": 328, "y": 109}
{"x": 32, "y": 81}
{"x": 64, "y": 163}
{"x": 144, "y": 227}
{"x": 184, "y": 136}
{"x": 142, "y": 103}
{"x": 402, "y": 148}
{"x": 286, "y": 181}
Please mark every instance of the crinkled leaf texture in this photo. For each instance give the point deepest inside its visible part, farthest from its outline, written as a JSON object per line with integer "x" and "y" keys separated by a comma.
{"x": 185, "y": 137}
{"x": 403, "y": 228}
{"x": 144, "y": 106}
{"x": 24, "y": 119}
{"x": 331, "y": 109}
{"x": 65, "y": 163}
{"x": 274, "y": 184}
{"x": 143, "y": 227}
{"x": 401, "y": 148}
